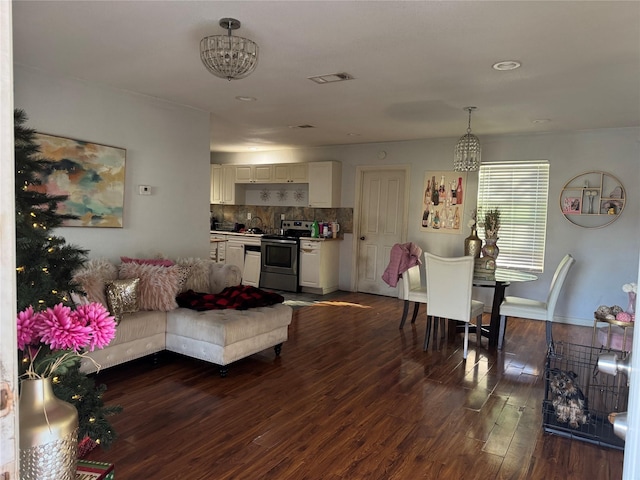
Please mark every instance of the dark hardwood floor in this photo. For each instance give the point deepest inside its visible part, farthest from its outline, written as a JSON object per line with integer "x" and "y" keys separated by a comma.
{"x": 351, "y": 397}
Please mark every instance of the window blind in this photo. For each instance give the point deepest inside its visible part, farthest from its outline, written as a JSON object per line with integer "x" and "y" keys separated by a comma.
{"x": 520, "y": 190}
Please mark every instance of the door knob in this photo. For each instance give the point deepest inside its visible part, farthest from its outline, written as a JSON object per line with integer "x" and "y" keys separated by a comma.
{"x": 362, "y": 238}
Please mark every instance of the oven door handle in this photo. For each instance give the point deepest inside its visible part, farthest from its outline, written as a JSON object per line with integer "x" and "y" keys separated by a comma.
{"x": 279, "y": 241}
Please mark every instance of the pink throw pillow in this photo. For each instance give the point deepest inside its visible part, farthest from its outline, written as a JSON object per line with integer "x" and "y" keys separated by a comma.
{"x": 163, "y": 262}
{"x": 158, "y": 285}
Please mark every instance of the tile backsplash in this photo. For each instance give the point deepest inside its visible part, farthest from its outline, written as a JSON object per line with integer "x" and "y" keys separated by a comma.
{"x": 268, "y": 217}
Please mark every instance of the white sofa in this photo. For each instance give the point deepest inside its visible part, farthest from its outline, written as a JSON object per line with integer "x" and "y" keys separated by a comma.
{"x": 217, "y": 336}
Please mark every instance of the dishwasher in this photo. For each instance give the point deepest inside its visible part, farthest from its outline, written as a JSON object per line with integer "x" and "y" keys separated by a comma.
{"x": 252, "y": 257}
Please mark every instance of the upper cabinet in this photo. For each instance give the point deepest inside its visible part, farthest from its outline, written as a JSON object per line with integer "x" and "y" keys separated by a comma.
{"x": 229, "y": 182}
{"x": 223, "y": 184}
{"x": 291, "y": 173}
{"x": 254, "y": 173}
{"x": 325, "y": 184}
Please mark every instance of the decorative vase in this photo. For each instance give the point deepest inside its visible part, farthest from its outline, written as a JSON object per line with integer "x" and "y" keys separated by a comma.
{"x": 48, "y": 433}
{"x": 472, "y": 244}
{"x": 631, "y": 308}
{"x": 490, "y": 249}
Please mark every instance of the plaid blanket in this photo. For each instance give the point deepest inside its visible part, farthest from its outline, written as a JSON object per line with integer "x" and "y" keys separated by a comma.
{"x": 240, "y": 297}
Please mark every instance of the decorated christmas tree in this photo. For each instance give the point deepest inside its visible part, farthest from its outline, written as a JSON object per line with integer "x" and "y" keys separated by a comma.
{"x": 45, "y": 264}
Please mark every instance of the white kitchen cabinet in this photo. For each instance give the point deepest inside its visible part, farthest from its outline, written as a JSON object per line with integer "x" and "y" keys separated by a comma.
{"x": 218, "y": 248}
{"x": 235, "y": 253}
{"x": 223, "y": 184}
{"x": 216, "y": 185}
{"x": 243, "y": 251}
{"x": 325, "y": 184}
{"x": 319, "y": 262}
{"x": 254, "y": 174}
{"x": 290, "y": 173}
{"x": 252, "y": 267}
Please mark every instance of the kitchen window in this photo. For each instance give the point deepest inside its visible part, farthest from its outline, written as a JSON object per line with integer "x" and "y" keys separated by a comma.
{"x": 520, "y": 190}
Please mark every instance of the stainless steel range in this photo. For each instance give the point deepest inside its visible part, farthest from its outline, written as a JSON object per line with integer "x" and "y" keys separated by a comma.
{"x": 279, "y": 253}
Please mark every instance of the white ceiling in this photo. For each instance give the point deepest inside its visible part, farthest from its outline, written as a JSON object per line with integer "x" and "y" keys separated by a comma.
{"x": 416, "y": 64}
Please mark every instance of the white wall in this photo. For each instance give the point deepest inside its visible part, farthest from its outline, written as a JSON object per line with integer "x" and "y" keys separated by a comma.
{"x": 167, "y": 148}
{"x": 9, "y": 441}
{"x": 606, "y": 258}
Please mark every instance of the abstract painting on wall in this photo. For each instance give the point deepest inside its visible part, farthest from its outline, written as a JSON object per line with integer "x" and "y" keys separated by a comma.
{"x": 90, "y": 174}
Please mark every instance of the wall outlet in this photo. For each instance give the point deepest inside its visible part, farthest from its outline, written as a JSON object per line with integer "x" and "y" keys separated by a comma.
{"x": 144, "y": 190}
{"x": 249, "y": 216}
{"x": 282, "y": 216}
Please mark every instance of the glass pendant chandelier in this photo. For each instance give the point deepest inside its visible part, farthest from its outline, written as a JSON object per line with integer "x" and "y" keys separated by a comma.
{"x": 227, "y": 56}
{"x": 467, "y": 152}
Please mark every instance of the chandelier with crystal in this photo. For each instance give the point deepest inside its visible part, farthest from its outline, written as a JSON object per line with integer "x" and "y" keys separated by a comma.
{"x": 467, "y": 152}
{"x": 227, "y": 56}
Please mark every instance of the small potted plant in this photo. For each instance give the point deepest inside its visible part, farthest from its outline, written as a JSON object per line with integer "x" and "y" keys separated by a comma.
{"x": 491, "y": 226}
{"x": 491, "y": 223}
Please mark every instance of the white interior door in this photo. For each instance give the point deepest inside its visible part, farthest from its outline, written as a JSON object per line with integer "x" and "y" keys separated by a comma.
{"x": 381, "y": 223}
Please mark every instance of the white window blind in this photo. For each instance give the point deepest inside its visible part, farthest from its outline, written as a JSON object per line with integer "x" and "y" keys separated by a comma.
{"x": 520, "y": 190}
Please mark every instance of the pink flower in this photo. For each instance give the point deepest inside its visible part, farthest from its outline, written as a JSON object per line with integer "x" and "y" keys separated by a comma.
{"x": 100, "y": 322}
{"x": 61, "y": 330}
{"x": 27, "y": 320}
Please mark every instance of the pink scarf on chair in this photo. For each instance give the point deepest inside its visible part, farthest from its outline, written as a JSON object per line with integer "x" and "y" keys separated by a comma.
{"x": 403, "y": 257}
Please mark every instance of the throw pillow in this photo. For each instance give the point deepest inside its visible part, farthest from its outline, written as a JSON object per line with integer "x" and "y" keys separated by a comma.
{"x": 158, "y": 285}
{"x": 92, "y": 278}
{"x": 198, "y": 278}
{"x": 223, "y": 276}
{"x": 122, "y": 297}
{"x": 163, "y": 262}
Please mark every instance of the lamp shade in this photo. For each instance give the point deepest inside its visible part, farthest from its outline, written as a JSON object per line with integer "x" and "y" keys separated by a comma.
{"x": 228, "y": 56}
{"x": 467, "y": 154}
{"x": 467, "y": 151}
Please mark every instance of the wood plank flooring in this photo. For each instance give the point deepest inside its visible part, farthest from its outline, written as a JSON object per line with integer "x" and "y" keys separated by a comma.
{"x": 351, "y": 397}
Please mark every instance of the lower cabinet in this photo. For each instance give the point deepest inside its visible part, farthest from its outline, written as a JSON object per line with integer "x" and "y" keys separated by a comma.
{"x": 218, "y": 250}
{"x": 235, "y": 254}
{"x": 319, "y": 262}
{"x": 244, "y": 253}
{"x": 251, "y": 267}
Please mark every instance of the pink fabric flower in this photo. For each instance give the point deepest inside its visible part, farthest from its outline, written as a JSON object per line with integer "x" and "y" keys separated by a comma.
{"x": 623, "y": 317}
{"x": 27, "y": 335}
{"x": 100, "y": 322}
{"x": 61, "y": 330}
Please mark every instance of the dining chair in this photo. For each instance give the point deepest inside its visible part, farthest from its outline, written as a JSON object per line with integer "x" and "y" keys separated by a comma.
{"x": 412, "y": 290}
{"x": 535, "y": 309}
{"x": 450, "y": 282}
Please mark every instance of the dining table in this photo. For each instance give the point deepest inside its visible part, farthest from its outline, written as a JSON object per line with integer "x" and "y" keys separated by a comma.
{"x": 499, "y": 281}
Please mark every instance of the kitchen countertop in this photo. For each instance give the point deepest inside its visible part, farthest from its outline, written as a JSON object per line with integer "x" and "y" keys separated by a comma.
{"x": 241, "y": 234}
{"x": 320, "y": 239}
{"x": 258, "y": 235}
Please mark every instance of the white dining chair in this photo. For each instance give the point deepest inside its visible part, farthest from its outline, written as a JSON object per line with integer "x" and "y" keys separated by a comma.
{"x": 536, "y": 309}
{"x": 412, "y": 289}
{"x": 450, "y": 282}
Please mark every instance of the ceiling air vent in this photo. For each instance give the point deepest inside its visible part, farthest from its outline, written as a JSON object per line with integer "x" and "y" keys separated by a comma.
{"x": 331, "y": 78}
{"x": 302, "y": 126}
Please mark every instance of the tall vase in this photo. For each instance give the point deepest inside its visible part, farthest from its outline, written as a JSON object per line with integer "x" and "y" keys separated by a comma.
{"x": 490, "y": 249}
{"x": 472, "y": 244}
{"x": 631, "y": 308}
{"x": 48, "y": 433}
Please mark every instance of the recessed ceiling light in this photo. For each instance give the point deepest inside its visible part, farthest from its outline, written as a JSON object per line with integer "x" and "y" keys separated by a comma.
{"x": 506, "y": 65}
{"x": 253, "y": 149}
{"x": 246, "y": 99}
{"x": 353, "y": 134}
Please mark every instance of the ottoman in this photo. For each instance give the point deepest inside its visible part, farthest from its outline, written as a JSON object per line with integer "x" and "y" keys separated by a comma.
{"x": 224, "y": 336}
